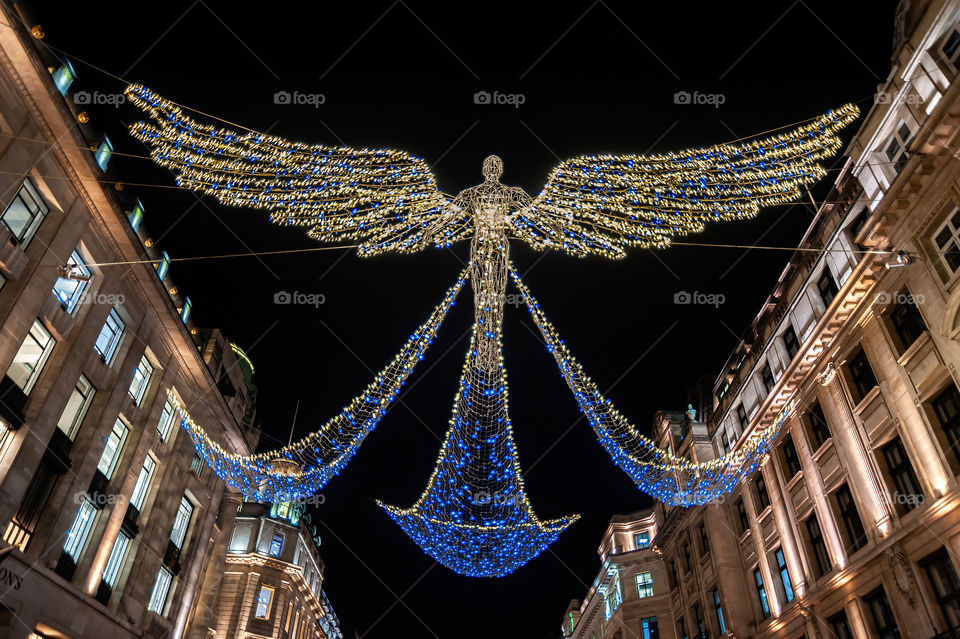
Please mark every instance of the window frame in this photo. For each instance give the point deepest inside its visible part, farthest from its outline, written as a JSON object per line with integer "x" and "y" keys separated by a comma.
{"x": 86, "y": 399}
{"x": 109, "y": 351}
{"x": 181, "y": 522}
{"x": 144, "y": 380}
{"x": 118, "y": 433}
{"x": 818, "y": 545}
{"x": 273, "y": 543}
{"x": 75, "y": 544}
{"x": 791, "y": 458}
{"x": 165, "y": 425}
{"x": 29, "y": 230}
{"x": 792, "y": 346}
{"x": 142, "y": 487}
{"x": 72, "y": 303}
{"x": 111, "y": 571}
{"x": 785, "y": 580}
{"x": 158, "y": 601}
{"x": 849, "y": 516}
{"x": 30, "y": 381}
{"x": 761, "y": 593}
{"x": 644, "y": 581}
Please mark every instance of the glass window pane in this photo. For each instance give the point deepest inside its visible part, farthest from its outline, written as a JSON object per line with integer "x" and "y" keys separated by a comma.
{"x": 111, "y": 452}
{"x": 115, "y": 561}
{"x": 158, "y": 598}
{"x": 76, "y": 408}
{"x": 30, "y": 358}
{"x": 79, "y": 529}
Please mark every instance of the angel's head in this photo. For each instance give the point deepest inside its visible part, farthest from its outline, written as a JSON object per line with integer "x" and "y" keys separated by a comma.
{"x": 492, "y": 168}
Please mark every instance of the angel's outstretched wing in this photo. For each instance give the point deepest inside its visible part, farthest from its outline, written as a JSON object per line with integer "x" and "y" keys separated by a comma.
{"x": 601, "y": 204}
{"x": 383, "y": 199}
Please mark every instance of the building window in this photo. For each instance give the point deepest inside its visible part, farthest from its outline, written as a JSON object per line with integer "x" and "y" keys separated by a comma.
{"x": 766, "y": 374}
{"x": 143, "y": 483}
{"x": 115, "y": 561}
{"x": 945, "y": 585}
{"x": 698, "y": 616}
{"x": 111, "y": 452}
{"x": 103, "y": 153}
{"x": 761, "y": 593}
{"x": 63, "y": 76}
{"x": 197, "y": 465}
{"x": 909, "y": 493}
{"x": 907, "y": 322}
{"x": 763, "y": 499}
{"x": 742, "y": 516}
{"x": 860, "y": 376}
{"x": 109, "y": 337}
{"x": 818, "y": 545}
{"x": 884, "y": 624}
{"x": 946, "y": 408}
{"x": 718, "y": 610}
{"x": 141, "y": 379}
{"x": 79, "y": 530}
{"x": 163, "y": 265}
{"x": 818, "y": 425}
{"x": 644, "y": 584}
{"x": 790, "y": 342}
{"x": 840, "y": 626}
{"x": 276, "y": 544}
{"x": 674, "y": 580}
{"x": 896, "y": 146}
{"x": 187, "y": 310}
{"x": 161, "y": 587}
{"x": 784, "y": 575}
{"x": 791, "y": 459}
{"x": 136, "y": 215}
{"x": 947, "y": 239}
{"x": 682, "y": 629}
{"x": 704, "y": 541}
{"x": 31, "y": 357}
{"x": 76, "y": 408}
{"x": 181, "y": 523}
{"x": 686, "y": 557}
{"x": 70, "y": 290}
{"x": 166, "y": 420}
{"x": 724, "y": 442}
{"x": 827, "y": 287}
{"x": 742, "y": 417}
{"x": 950, "y": 49}
{"x": 23, "y": 215}
{"x": 856, "y": 538}
{"x": 641, "y": 540}
{"x": 649, "y": 629}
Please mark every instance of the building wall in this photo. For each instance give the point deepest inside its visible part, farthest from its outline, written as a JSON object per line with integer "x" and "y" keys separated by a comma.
{"x": 860, "y": 381}
{"x": 291, "y": 571}
{"x": 46, "y": 474}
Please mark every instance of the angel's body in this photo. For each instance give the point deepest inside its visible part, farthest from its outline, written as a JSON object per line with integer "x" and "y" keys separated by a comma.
{"x": 490, "y": 205}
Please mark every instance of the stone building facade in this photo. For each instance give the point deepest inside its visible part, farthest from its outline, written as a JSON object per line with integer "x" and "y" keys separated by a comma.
{"x": 850, "y": 529}
{"x": 115, "y": 523}
{"x": 273, "y": 578}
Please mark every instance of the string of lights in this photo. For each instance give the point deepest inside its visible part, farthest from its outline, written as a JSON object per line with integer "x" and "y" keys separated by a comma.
{"x": 302, "y": 468}
{"x": 601, "y": 204}
{"x": 674, "y": 480}
{"x": 382, "y": 198}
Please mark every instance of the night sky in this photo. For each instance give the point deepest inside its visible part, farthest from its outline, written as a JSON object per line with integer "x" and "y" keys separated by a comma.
{"x": 595, "y": 77}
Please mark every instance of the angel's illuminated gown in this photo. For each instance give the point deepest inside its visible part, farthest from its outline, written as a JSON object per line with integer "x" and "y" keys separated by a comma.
{"x": 474, "y": 516}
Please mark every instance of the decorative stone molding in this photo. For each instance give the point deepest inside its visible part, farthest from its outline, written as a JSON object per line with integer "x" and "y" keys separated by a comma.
{"x": 902, "y": 574}
{"x": 828, "y": 374}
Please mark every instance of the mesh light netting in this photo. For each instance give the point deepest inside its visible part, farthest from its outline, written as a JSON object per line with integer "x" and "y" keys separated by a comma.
{"x": 304, "y": 467}
{"x": 474, "y": 517}
{"x": 675, "y": 481}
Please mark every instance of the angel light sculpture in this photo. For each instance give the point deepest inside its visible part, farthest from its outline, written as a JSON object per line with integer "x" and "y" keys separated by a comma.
{"x": 474, "y": 516}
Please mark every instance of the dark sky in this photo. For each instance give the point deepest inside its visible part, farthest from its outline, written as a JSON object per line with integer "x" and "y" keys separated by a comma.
{"x": 596, "y": 77}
